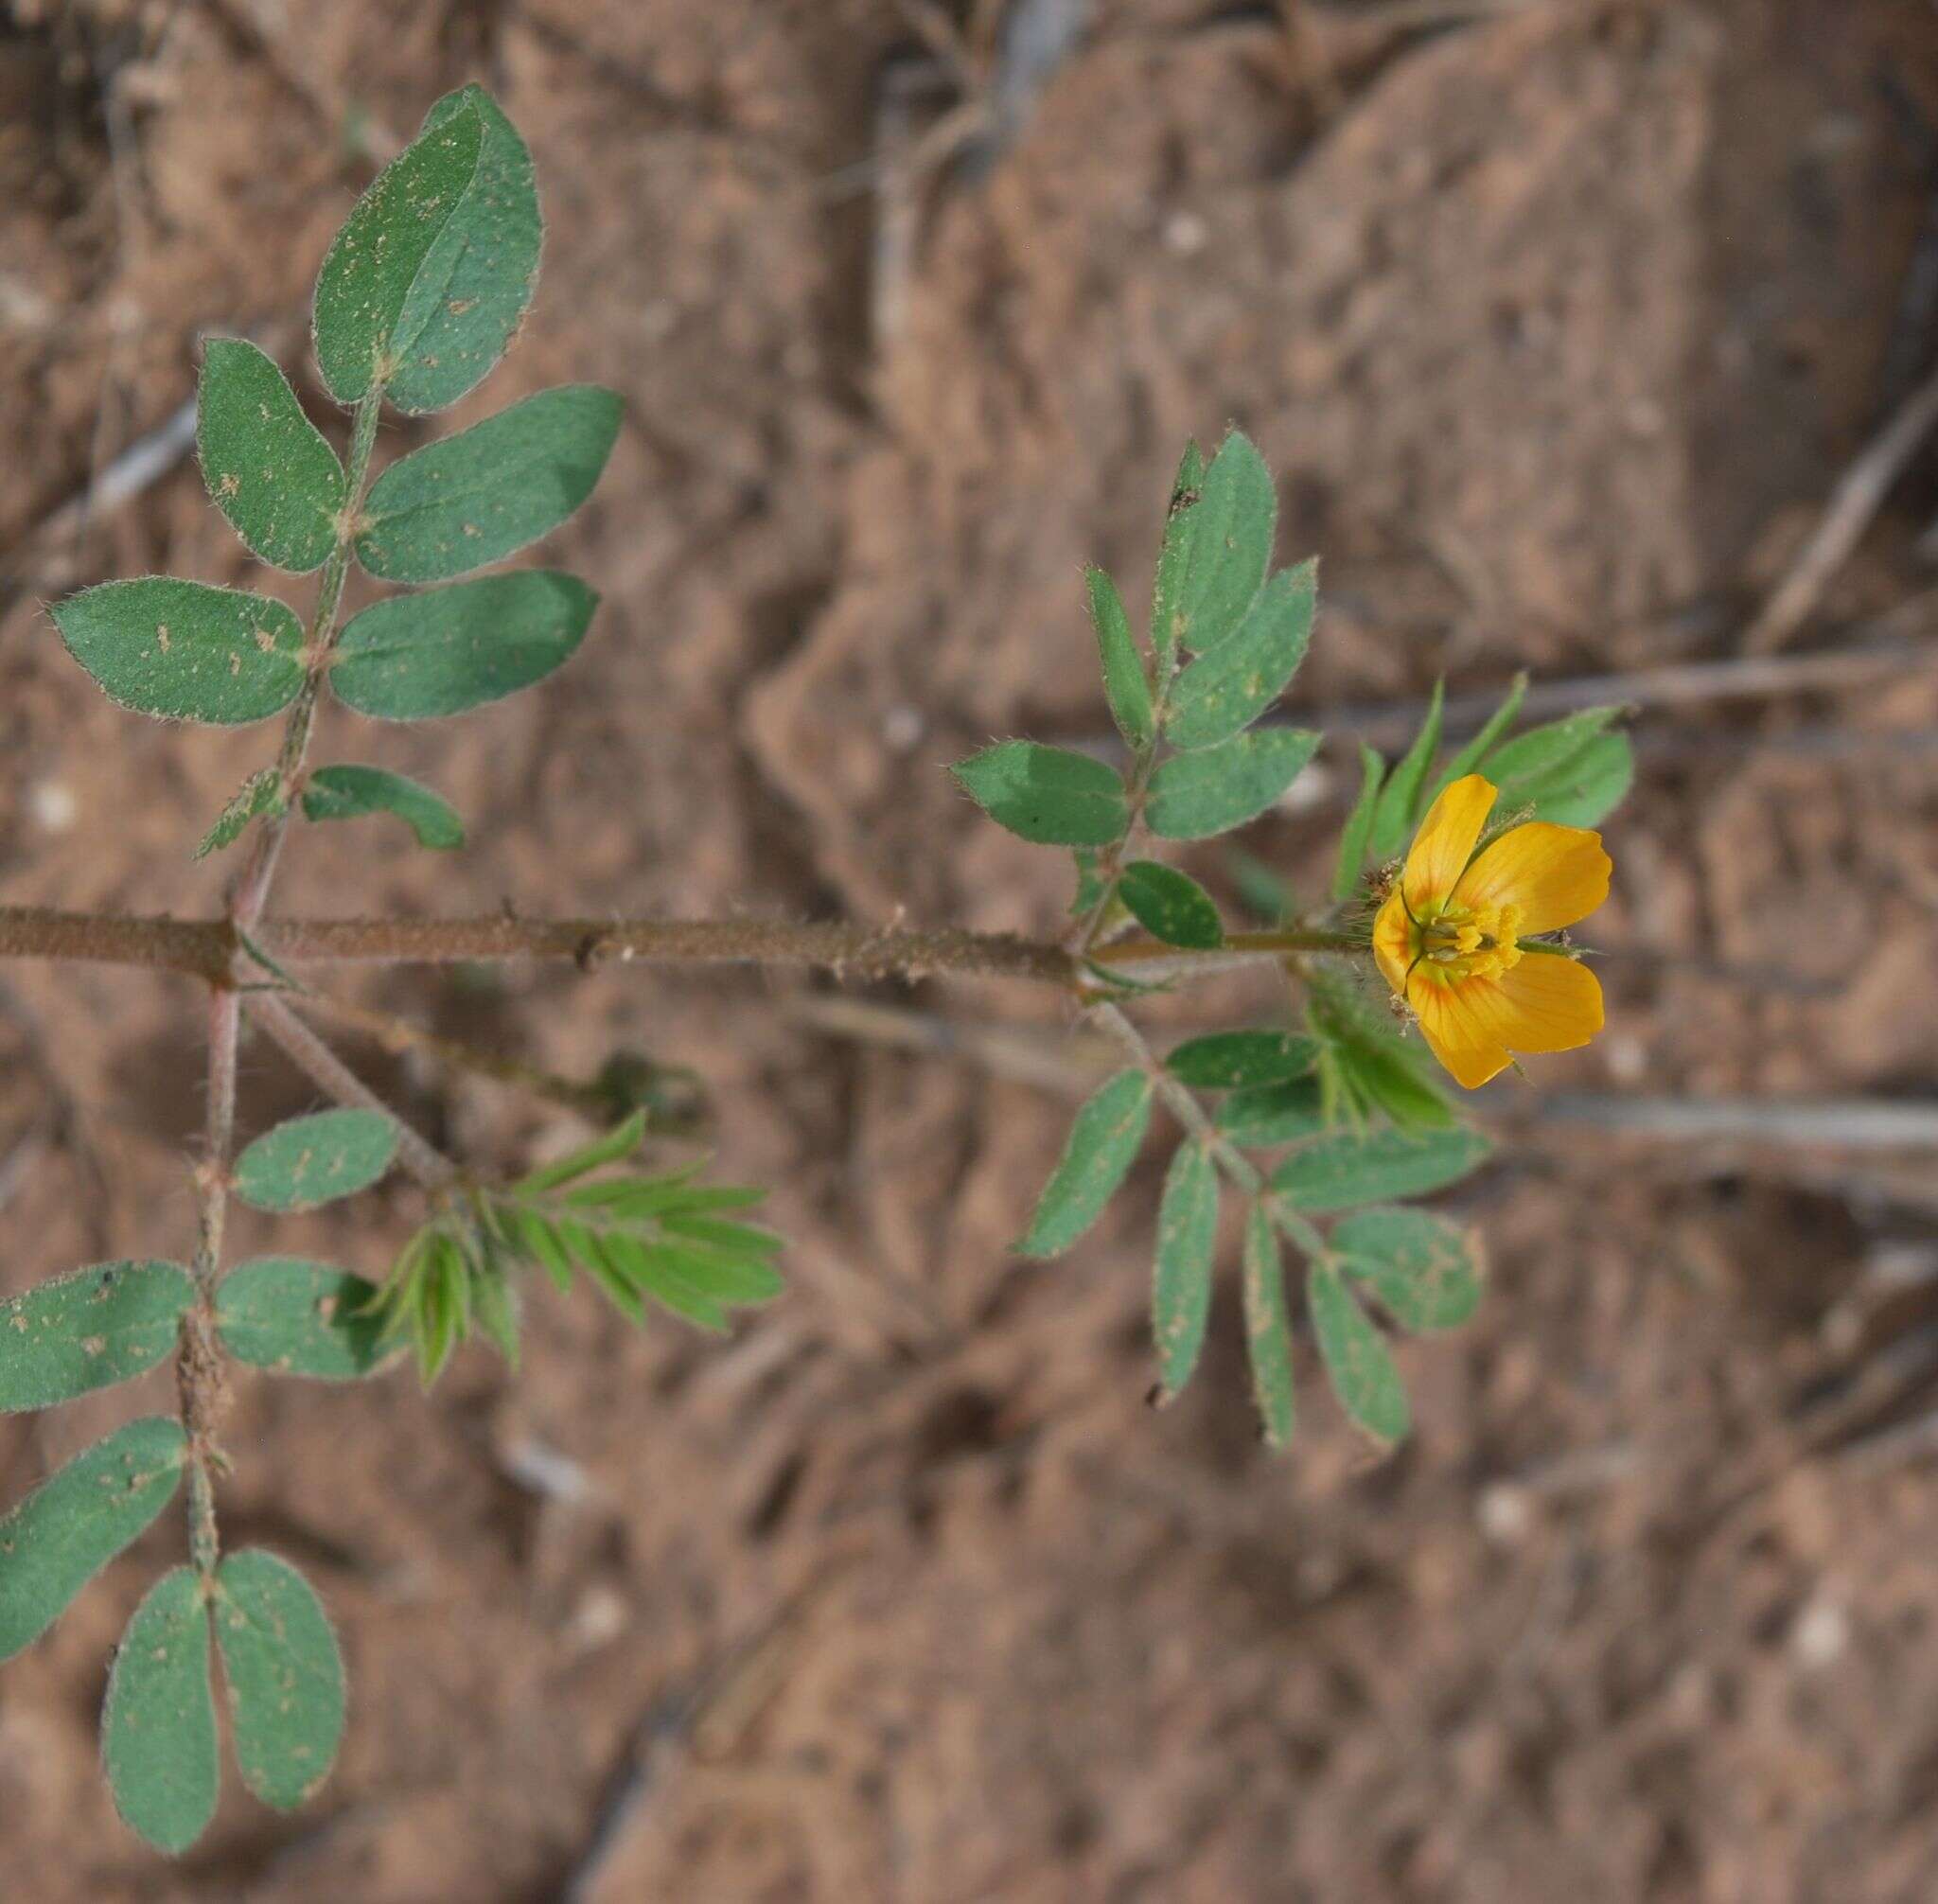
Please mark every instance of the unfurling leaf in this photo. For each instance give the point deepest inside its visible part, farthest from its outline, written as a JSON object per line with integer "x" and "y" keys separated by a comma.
{"x": 158, "y": 1727}
{"x": 313, "y": 1160}
{"x": 386, "y": 271}
{"x": 284, "y": 1674}
{"x": 1045, "y": 794}
{"x": 351, "y": 792}
{"x": 1170, "y": 905}
{"x": 1268, "y": 1330}
{"x": 1187, "y": 1235}
{"x": 297, "y": 1317}
{"x": 448, "y": 650}
{"x": 1223, "y": 692}
{"x": 1358, "y": 836}
{"x": 1126, "y": 686}
{"x": 1358, "y": 1363}
{"x": 476, "y": 282}
{"x": 1222, "y": 1061}
{"x": 1196, "y": 795}
{"x": 1098, "y": 1155}
{"x": 260, "y": 793}
{"x": 185, "y": 650}
{"x": 268, "y": 468}
{"x": 1424, "y": 1270}
{"x": 1344, "y": 1169}
{"x": 1402, "y": 800}
{"x": 88, "y": 1329}
{"x": 479, "y": 496}
{"x": 78, "y": 1518}
{"x": 1230, "y": 545}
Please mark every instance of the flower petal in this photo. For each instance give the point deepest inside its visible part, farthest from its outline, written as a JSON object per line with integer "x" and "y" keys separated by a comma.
{"x": 1393, "y": 942}
{"x": 1554, "y": 874}
{"x": 1457, "y": 1018}
{"x": 1445, "y": 842}
{"x": 1547, "y": 1004}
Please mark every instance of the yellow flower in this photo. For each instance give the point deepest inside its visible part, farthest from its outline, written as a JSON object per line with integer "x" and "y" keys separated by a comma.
{"x": 1449, "y": 938}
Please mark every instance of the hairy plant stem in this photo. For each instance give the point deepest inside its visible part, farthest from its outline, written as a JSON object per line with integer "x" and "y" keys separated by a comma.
{"x": 201, "y": 1383}
{"x": 205, "y": 948}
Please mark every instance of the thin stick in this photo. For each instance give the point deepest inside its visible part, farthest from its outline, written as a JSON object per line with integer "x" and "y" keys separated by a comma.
{"x": 315, "y": 1058}
{"x": 1853, "y": 504}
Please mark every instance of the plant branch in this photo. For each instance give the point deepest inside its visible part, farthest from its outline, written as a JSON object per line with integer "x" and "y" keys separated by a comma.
{"x": 315, "y": 1058}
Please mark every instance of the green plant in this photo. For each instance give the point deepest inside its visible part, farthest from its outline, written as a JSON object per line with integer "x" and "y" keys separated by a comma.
{"x": 1326, "y": 1120}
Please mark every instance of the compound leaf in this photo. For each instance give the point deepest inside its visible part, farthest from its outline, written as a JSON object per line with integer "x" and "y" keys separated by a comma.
{"x": 158, "y": 1728}
{"x": 284, "y": 1674}
{"x": 185, "y": 650}
{"x": 88, "y": 1329}
{"x": 1196, "y": 795}
{"x": 473, "y": 498}
{"x": 308, "y": 1161}
{"x": 267, "y": 467}
{"x": 1101, "y": 1147}
{"x": 1268, "y": 1329}
{"x": 1186, "y": 1236}
{"x": 1424, "y": 1270}
{"x": 78, "y": 1518}
{"x": 1045, "y": 794}
{"x": 297, "y": 1317}
{"x": 386, "y": 268}
{"x": 419, "y": 656}
{"x": 1347, "y": 1168}
{"x": 351, "y": 792}
{"x": 1358, "y": 1363}
{"x": 1170, "y": 905}
{"x": 1223, "y": 692}
{"x": 471, "y": 292}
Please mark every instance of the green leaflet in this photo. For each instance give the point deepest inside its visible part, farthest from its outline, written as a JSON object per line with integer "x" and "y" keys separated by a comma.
{"x": 308, "y": 1161}
{"x": 1573, "y": 772}
{"x": 1098, "y": 1155}
{"x": 1182, "y": 524}
{"x": 1398, "y": 810}
{"x": 1196, "y": 795}
{"x": 185, "y": 650}
{"x": 1425, "y": 1270}
{"x": 284, "y": 1676}
{"x": 386, "y": 270}
{"x": 1262, "y": 1115}
{"x": 1268, "y": 1330}
{"x": 158, "y": 1728}
{"x": 1181, "y": 1290}
{"x": 297, "y": 1317}
{"x": 267, "y": 467}
{"x": 475, "y": 284}
{"x": 260, "y": 793}
{"x": 448, "y": 650}
{"x": 1468, "y": 758}
{"x": 53, "y": 1543}
{"x": 1231, "y": 534}
{"x": 1358, "y": 1363}
{"x": 354, "y": 792}
{"x": 1045, "y": 794}
{"x": 88, "y": 1329}
{"x": 1126, "y": 686}
{"x": 1223, "y": 692}
{"x": 1358, "y": 836}
{"x": 1170, "y": 905}
{"x": 1345, "y": 1167}
{"x": 1221, "y": 1061}
{"x": 474, "y": 498}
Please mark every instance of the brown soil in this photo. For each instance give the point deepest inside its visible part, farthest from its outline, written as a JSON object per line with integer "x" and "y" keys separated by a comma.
{"x": 1558, "y": 328}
